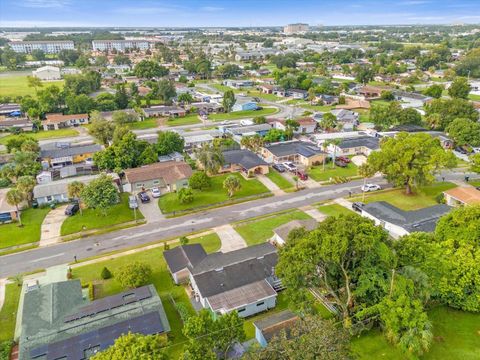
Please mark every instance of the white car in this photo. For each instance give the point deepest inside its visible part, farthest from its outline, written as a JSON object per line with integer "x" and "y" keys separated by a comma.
{"x": 289, "y": 165}
{"x": 225, "y": 122}
{"x": 370, "y": 187}
{"x": 246, "y": 122}
{"x": 155, "y": 192}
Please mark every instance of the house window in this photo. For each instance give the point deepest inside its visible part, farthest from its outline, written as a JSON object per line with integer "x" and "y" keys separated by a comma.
{"x": 138, "y": 185}
{"x": 49, "y": 198}
{"x": 241, "y": 310}
{"x": 261, "y": 303}
{"x": 156, "y": 182}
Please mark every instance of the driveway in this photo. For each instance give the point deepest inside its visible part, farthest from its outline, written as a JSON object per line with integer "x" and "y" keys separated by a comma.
{"x": 150, "y": 210}
{"x": 270, "y": 185}
{"x": 50, "y": 231}
{"x": 231, "y": 240}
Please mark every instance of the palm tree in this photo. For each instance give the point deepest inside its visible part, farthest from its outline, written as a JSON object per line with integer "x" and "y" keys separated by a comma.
{"x": 334, "y": 142}
{"x": 295, "y": 178}
{"x": 25, "y": 185}
{"x": 15, "y": 198}
{"x": 210, "y": 157}
{"x": 366, "y": 171}
{"x": 325, "y": 145}
{"x": 231, "y": 184}
{"x": 75, "y": 189}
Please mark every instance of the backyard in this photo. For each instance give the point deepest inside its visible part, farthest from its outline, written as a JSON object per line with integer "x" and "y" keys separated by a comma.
{"x": 17, "y": 85}
{"x": 317, "y": 173}
{"x": 423, "y": 197}
{"x": 94, "y": 219}
{"x": 160, "y": 278}
{"x": 42, "y": 135}
{"x": 12, "y": 235}
{"x": 257, "y": 232}
{"x": 455, "y": 337}
{"x": 216, "y": 194}
{"x": 279, "y": 180}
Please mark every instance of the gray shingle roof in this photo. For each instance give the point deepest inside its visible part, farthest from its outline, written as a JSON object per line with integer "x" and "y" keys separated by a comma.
{"x": 366, "y": 141}
{"x": 424, "y": 219}
{"x": 294, "y": 147}
{"x": 185, "y": 256}
{"x": 249, "y": 129}
{"x": 70, "y": 151}
{"x": 244, "y": 158}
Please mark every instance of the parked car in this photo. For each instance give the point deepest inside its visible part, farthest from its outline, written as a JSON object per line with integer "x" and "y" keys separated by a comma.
{"x": 290, "y": 166}
{"x": 156, "y": 192}
{"x": 461, "y": 150}
{"x": 226, "y": 122}
{"x": 340, "y": 163}
{"x": 344, "y": 159}
{"x": 132, "y": 202}
{"x": 370, "y": 187}
{"x": 72, "y": 209}
{"x": 302, "y": 175}
{"x": 357, "y": 206}
{"x": 246, "y": 122}
{"x": 279, "y": 167}
{"x": 144, "y": 198}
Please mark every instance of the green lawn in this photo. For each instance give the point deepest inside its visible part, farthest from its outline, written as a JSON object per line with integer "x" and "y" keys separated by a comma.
{"x": 279, "y": 180}
{"x": 187, "y": 120}
{"x": 474, "y": 183}
{"x": 423, "y": 197}
{"x": 42, "y": 135}
{"x": 269, "y": 97}
{"x": 456, "y": 337}
{"x": 11, "y": 234}
{"x": 169, "y": 202}
{"x": 94, "y": 219}
{"x": 381, "y": 102}
{"x": 317, "y": 173}
{"x": 334, "y": 210}
{"x": 145, "y": 124}
{"x": 474, "y": 97}
{"x": 160, "y": 278}
{"x": 257, "y": 232}
{"x": 17, "y": 85}
{"x": 8, "y": 313}
{"x": 322, "y": 108}
{"x": 243, "y": 114}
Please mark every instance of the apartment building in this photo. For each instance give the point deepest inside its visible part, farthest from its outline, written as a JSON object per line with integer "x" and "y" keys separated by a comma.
{"x": 120, "y": 45}
{"x": 295, "y": 28}
{"x": 48, "y": 47}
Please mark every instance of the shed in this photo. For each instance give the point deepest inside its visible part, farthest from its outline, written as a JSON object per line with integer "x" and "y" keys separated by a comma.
{"x": 271, "y": 326}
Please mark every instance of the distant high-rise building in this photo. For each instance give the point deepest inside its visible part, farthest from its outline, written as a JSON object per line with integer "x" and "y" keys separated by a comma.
{"x": 295, "y": 28}
{"x": 48, "y": 47}
{"x": 120, "y": 45}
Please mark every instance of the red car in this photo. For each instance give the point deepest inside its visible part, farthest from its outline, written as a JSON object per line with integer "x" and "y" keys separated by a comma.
{"x": 344, "y": 159}
{"x": 302, "y": 175}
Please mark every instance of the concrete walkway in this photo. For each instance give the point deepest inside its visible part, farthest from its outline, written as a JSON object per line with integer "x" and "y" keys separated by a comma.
{"x": 50, "y": 231}
{"x": 343, "y": 202}
{"x": 3, "y": 283}
{"x": 270, "y": 185}
{"x": 314, "y": 213}
{"x": 231, "y": 240}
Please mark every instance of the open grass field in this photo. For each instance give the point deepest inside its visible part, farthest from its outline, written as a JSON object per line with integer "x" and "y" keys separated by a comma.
{"x": 423, "y": 197}
{"x": 16, "y": 85}
{"x": 317, "y": 173}
{"x": 11, "y": 234}
{"x": 43, "y": 135}
{"x": 8, "y": 312}
{"x": 456, "y": 337}
{"x": 94, "y": 219}
{"x": 169, "y": 202}
{"x": 334, "y": 210}
{"x": 279, "y": 180}
{"x": 243, "y": 114}
{"x": 160, "y": 278}
{"x": 257, "y": 232}
{"x": 145, "y": 124}
{"x": 187, "y": 120}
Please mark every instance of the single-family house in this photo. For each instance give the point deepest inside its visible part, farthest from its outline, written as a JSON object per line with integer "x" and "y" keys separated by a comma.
{"x": 57, "y": 191}
{"x": 370, "y": 92}
{"x": 168, "y": 176}
{"x": 60, "y": 155}
{"x": 411, "y": 99}
{"x": 238, "y": 84}
{"x": 165, "y": 111}
{"x": 300, "y": 152}
{"x": 399, "y": 222}
{"x": 59, "y": 322}
{"x": 47, "y": 73}
{"x": 21, "y": 123}
{"x": 266, "y": 88}
{"x": 354, "y": 146}
{"x": 280, "y": 234}
{"x": 298, "y": 93}
{"x": 249, "y": 130}
{"x": 244, "y": 161}
{"x": 174, "y": 156}
{"x": 244, "y": 105}
{"x": 181, "y": 259}
{"x": 346, "y": 116}
{"x": 307, "y": 125}
{"x": 8, "y": 212}
{"x": 196, "y": 141}
{"x": 462, "y": 195}
{"x": 8, "y": 109}
{"x": 207, "y": 107}
{"x": 59, "y": 121}
{"x": 326, "y": 99}
{"x": 271, "y": 326}
{"x": 108, "y": 115}
{"x": 242, "y": 280}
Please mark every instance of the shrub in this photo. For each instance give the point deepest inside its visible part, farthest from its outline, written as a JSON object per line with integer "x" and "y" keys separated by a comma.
{"x": 4, "y": 182}
{"x": 440, "y": 198}
{"x": 185, "y": 196}
{"x": 134, "y": 274}
{"x": 91, "y": 291}
{"x": 166, "y": 246}
{"x": 184, "y": 240}
{"x": 200, "y": 181}
{"x": 182, "y": 310}
{"x": 6, "y": 348}
{"x": 106, "y": 274}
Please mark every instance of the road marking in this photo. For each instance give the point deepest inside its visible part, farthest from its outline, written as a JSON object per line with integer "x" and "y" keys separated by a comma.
{"x": 47, "y": 257}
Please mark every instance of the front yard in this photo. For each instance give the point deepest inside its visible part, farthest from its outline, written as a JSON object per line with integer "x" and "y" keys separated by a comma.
{"x": 334, "y": 210}
{"x": 145, "y": 124}
{"x": 279, "y": 180}
{"x": 12, "y": 235}
{"x": 257, "y": 232}
{"x": 169, "y": 203}
{"x": 94, "y": 219}
{"x": 42, "y": 135}
{"x": 317, "y": 173}
{"x": 186, "y": 120}
{"x": 423, "y": 197}
{"x": 8, "y": 312}
{"x": 243, "y": 114}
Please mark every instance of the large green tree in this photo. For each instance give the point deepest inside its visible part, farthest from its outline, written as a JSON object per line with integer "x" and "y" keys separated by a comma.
{"x": 101, "y": 129}
{"x": 228, "y": 100}
{"x": 210, "y": 157}
{"x": 410, "y": 160}
{"x": 449, "y": 110}
{"x": 459, "y": 88}
{"x": 135, "y": 346}
{"x": 464, "y": 132}
{"x": 100, "y": 193}
{"x": 149, "y": 69}
{"x": 169, "y": 142}
{"x": 134, "y": 274}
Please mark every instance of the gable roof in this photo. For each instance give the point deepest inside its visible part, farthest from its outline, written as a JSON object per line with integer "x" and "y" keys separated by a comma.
{"x": 424, "y": 219}
{"x": 369, "y": 142}
{"x": 244, "y": 158}
{"x": 70, "y": 151}
{"x": 58, "y": 118}
{"x": 294, "y": 147}
{"x": 170, "y": 171}
{"x": 272, "y": 325}
{"x": 184, "y": 256}
{"x": 466, "y": 195}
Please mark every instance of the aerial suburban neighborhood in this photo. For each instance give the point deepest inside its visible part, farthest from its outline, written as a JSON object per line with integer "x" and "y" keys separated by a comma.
{"x": 239, "y": 180}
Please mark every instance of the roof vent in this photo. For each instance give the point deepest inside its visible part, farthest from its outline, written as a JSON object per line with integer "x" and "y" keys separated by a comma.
{"x": 219, "y": 269}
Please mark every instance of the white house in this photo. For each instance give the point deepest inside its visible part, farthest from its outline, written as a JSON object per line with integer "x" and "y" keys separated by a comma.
{"x": 47, "y": 73}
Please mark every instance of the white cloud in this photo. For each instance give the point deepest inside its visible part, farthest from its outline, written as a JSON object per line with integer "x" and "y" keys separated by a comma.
{"x": 44, "y": 3}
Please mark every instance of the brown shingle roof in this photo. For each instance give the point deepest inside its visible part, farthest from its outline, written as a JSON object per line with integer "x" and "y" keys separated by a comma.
{"x": 57, "y": 118}
{"x": 466, "y": 195}
{"x": 170, "y": 171}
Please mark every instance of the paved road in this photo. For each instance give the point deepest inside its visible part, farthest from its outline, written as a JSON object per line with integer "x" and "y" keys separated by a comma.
{"x": 84, "y": 248}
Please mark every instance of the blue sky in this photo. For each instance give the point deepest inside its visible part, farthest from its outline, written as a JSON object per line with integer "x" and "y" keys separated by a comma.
{"x": 43, "y": 13}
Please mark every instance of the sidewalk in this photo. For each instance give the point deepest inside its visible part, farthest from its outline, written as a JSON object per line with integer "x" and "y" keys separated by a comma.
{"x": 314, "y": 213}
{"x": 343, "y": 202}
{"x": 231, "y": 240}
